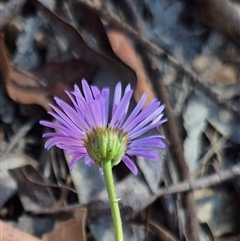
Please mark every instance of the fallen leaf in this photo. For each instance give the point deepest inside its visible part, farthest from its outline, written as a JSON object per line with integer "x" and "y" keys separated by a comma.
{"x": 87, "y": 181}
{"x": 222, "y": 15}
{"x": 71, "y": 230}
{"x": 218, "y": 207}
{"x": 195, "y": 116}
{"x": 212, "y": 70}
{"x": 9, "y": 233}
{"x": 133, "y": 191}
{"x": 8, "y": 185}
{"x": 124, "y": 50}
{"x": 93, "y": 26}
{"x": 52, "y": 79}
{"x": 34, "y": 195}
{"x": 23, "y": 87}
{"x": 58, "y": 77}
{"x": 82, "y": 51}
{"x": 101, "y": 225}
{"x": 162, "y": 233}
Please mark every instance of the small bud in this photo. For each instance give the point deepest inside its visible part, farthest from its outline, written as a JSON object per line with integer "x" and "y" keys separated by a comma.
{"x": 106, "y": 144}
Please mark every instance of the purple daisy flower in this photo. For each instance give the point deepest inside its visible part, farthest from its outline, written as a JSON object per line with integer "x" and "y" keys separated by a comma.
{"x": 86, "y": 131}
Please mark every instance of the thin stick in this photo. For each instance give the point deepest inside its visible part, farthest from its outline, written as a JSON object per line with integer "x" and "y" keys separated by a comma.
{"x": 204, "y": 182}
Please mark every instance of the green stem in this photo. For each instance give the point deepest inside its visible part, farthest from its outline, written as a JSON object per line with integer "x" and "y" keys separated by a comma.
{"x": 117, "y": 222}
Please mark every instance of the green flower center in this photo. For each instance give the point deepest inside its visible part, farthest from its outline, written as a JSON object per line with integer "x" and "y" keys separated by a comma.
{"x": 105, "y": 144}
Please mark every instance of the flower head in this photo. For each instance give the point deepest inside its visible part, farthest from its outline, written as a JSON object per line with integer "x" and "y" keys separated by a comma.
{"x": 91, "y": 131}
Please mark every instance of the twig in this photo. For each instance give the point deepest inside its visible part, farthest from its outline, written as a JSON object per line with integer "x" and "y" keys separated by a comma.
{"x": 179, "y": 161}
{"x": 158, "y": 51}
{"x": 204, "y": 182}
{"x": 208, "y": 181}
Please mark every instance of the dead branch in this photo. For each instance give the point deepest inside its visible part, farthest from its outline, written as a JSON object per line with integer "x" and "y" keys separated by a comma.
{"x": 204, "y": 182}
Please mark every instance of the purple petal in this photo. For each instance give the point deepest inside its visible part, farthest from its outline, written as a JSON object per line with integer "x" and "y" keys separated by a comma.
{"x": 89, "y": 118}
{"x": 74, "y": 160}
{"x": 101, "y": 170}
{"x": 77, "y": 90}
{"x": 130, "y": 164}
{"x": 73, "y": 150}
{"x": 88, "y": 161}
{"x": 79, "y": 97}
{"x": 95, "y": 91}
{"x": 64, "y": 143}
{"x": 66, "y": 140}
{"x": 71, "y": 114}
{"x": 147, "y": 142}
{"x": 77, "y": 106}
{"x": 63, "y": 129}
{"x": 50, "y": 143}
{"x": 121, "y": 120}
{"x": 96, "y": 113}
{"x": 128, "y": 87}
{"x": 157, "y": 119}
{"x": 87, "y": 91}
{"x": 144, "y": 122}
{"x": 117, "y": 97}
{"x": 68, "y": 124}
{"x": 50, "y": 135}
{"x": 121, "y": 108}
{"x": 143, "y": 114}
{"x": 150, "y": 154}
{"x": 105, "y": 104}
{"x": 147, "y": 128}
{"x": 135, "y": 111}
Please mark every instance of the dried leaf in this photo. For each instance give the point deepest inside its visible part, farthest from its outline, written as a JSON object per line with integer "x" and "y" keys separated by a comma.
{"x": 90, "y": 21}
{"x": 52, "y": 79}
{"x": 133, "y": 191}
{"x": 58, "y": 77}
{"x": 101, "y": 224}
{"x": 81, "y": 50}
{"x": 8, "y": 185}
{"x": 34, "y": 196}
{"x": 71, "y": 230}
{"x": 36, "y": 86}
{"x": 218, "y": 208}
{"x": 9, "y": 233}
{"x": 222, "y": 15}
{"x": 88, "y": 182}
{"x": 195, "y": 121}
{"x": 124, "y": 50}
{"x": 23, "y": 87}
{"x": 162, "y": 233}
{"x": 212, "y": 70}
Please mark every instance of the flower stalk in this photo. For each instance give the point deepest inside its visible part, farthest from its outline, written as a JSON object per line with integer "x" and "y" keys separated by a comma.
{"x": 113, "y": 201}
